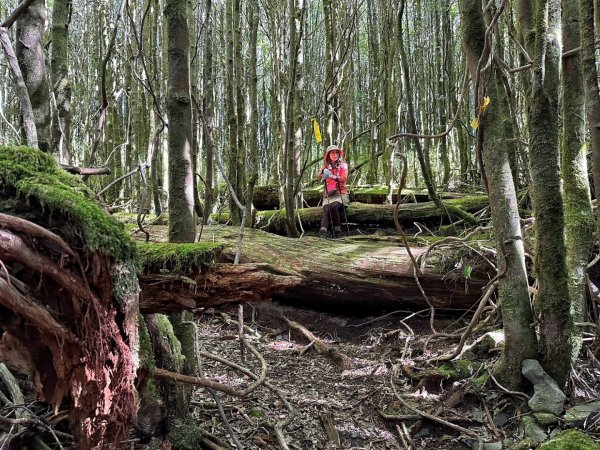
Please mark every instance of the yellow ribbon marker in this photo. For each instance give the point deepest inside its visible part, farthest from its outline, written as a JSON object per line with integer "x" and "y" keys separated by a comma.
{"x": 317, "y": 130}
{"x": 482, "y": 108}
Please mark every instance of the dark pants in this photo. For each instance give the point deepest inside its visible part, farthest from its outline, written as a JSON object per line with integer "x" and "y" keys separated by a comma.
{"x": 334, "y": 209}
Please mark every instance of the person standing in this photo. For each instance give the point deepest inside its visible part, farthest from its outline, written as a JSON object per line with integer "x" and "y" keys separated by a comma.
{"x": 334, "y": 174}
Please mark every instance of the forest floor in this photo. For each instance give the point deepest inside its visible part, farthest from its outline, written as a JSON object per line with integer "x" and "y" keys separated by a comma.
{"x": 362, "y": 403}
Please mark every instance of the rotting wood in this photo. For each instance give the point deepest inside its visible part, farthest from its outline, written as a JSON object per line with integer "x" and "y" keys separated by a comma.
{"x": 218, "y": 286}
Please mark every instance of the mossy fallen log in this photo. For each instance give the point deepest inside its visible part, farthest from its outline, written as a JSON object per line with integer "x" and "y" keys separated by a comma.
{"x": 359, "y": 273}
{"x": 267, "y": 197}
{"x": 364, "y": 215}
{"x": 179, "y": 277}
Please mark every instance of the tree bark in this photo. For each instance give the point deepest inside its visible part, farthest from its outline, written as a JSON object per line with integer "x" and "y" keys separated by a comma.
{"x": 61, "y": 84}
{"x": 31, "y": 56}
{"x": 521, "y": 342}
{"x": 579, "y": 216}
{"x": 182, "y": 223}
{"x": 552, "y": 300}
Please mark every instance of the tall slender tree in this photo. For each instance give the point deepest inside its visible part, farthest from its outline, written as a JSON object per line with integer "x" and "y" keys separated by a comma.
{"x": 552, "y": 300}
{"x": 61, "y": 84}
{"x": 182, "y": 224}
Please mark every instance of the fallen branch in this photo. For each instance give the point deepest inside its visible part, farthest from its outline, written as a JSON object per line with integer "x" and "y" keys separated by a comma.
{"x": 437, "y": 419}
{"x": 205, "y": 382}
{"x": 342, "y": 360}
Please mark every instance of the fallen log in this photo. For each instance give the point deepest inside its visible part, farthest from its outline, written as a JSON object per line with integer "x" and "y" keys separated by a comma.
{"x": 361, "y": 215}
{"x": 267, "y": 197}
{"x": 353, "y": 274}
{"x": 222, "y": 284}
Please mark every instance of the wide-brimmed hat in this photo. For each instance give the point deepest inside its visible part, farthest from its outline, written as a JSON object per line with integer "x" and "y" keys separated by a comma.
{"x": 332, "y": 148}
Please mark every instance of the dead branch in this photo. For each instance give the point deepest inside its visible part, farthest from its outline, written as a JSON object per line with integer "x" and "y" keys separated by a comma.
{"x": 279, "y": 426}
{"x": 16, "y": 13}
{"x": 21, "y": 88}
{"x": 205, "y": 382}
{"x": 340, "y": 359}
{"x": 104, "y": 106}
{"x": 484, "y": 300}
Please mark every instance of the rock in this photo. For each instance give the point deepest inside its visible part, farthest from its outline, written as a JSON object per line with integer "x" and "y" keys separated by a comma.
{"x": 577, "y": 415}
{"x": 547, "y": 396}
{"x": 532, "y": 430}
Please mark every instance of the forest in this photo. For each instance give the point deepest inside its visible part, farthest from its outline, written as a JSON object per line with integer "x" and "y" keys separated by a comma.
{"x": 177, "y": 272}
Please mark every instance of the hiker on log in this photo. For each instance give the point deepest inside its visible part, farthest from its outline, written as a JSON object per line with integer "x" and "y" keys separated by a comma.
{"x": 334, "y": 174}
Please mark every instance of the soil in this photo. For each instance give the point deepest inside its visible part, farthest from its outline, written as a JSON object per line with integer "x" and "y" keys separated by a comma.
{"x": 353, "y": 398}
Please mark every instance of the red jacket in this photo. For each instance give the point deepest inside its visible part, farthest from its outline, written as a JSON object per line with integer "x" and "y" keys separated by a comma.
{"x": 339, "y": 171}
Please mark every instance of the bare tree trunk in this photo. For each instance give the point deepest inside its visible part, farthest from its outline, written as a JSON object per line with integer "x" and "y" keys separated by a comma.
{"x": 592, "y": 94}
{"x": 293, "y": 126}
{"x": 208, "y": 112}
{"x": 31, "y": 56}
{"x": 182, "y": 223}
{"x": 552, "y": 301}
{"x": 61, "y": 84}
{"x": 579, "y": 216}
{"x": 513, "y": 287}
{"x": 253, "y": 106}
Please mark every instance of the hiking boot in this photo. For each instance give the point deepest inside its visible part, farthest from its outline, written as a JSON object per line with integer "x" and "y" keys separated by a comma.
{"x": 323, "y": 233}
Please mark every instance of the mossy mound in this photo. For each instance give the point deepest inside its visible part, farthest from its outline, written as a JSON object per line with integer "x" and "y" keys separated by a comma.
{"x": 179, "y": 258}
{"x": 571, "y": 440}
{"x": 32, "y": 176}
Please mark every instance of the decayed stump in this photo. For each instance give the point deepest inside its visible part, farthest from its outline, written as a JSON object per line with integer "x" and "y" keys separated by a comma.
{"x": 68, "y": 296}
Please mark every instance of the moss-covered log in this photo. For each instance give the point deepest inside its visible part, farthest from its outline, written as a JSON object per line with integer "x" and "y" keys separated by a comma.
{"x": 179, "y": 277}
{"x": 344, "y": 274}
{"x": 363, "y": 215}
{"x": 68, "y": 296}
{"x": 267, "y": 197}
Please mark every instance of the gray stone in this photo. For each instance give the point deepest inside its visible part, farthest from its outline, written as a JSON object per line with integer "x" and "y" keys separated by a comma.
{"x": 576, "y": 415}
{"x": 487, "y": 445}
{"x": 532, "y": 430}
{"x": 547, "y": 396}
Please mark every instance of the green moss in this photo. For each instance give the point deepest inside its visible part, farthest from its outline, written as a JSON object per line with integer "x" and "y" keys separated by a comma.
{"x": 185, "y": 434}
{"x": 36, "y": 175}
{"x": 180, "y": 258}
{"x": 165, "y": 329}
{"x": 457, "y": 370}
{"x": 481, "y": 379}
{"x": 571, "y": 440}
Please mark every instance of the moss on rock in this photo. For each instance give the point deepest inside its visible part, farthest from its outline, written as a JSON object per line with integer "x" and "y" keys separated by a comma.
{"x": 571, "y": 440}
{"x": 34, "y": 175}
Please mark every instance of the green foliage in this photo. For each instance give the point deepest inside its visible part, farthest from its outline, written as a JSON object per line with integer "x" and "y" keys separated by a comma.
{"x": 571, "y": 440}
{"x": 180, "y": 258}
{"x": 35, "y": 175}
{"x": 165, "y": 330}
